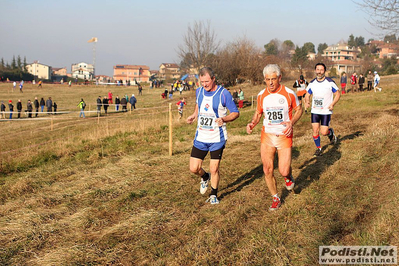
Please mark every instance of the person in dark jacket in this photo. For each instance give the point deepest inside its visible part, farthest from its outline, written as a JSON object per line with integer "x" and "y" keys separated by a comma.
{"x": 42, "y": 104}
{"x": 55, "y": 108}
{"x": 11, "y": 107}
{"x": 99, "y": 103}
{"x": 124, "y": 104}
{"x": 49, "y": 105}
{"x": 19, "y": 108}
{"x": 117, "y": 103}
{"x": 36, "y": 103}
{"x": 133, "y": 102}
{"x": 29, "y": 107}
{"x": 362, "y": 80}
{"x": 105, "y": 104}
{"x": 3, "y": 110}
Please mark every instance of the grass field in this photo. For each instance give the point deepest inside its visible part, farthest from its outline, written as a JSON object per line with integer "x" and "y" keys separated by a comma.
{"x": 104, "y": 191}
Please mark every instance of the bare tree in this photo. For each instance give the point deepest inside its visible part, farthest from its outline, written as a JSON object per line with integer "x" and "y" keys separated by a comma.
{"x": 240, "y": 60}
{"x": 200, "y": 43}
{"x": 384, "y": 14}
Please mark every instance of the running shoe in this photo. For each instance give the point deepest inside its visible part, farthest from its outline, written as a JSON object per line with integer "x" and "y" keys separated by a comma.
{"x": 289, "y": 183}
{"x": 213, "y": 200}
{"x": 333, "y": 138}
{"x": 204, "y": 185}
{"x": 318, "y": 152}
{"x": 275, "y": 205}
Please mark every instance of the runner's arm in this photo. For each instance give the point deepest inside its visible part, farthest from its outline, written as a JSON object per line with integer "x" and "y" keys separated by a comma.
{"x": 255, "y": 120}
{"x": 337, "y": 95}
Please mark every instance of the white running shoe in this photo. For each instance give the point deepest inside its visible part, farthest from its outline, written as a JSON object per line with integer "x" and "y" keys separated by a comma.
{"x": 213, "y": 200}
{"x": 204, "y": 185}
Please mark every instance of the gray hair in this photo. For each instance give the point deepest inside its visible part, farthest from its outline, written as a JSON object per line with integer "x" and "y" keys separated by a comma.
{"x": 270, "y": 69}
{"x": 206, "y": 70}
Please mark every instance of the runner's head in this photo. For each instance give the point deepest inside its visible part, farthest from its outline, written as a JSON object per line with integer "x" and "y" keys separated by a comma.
{"x": 320, "y": 69}
{"x": 272, "y": 75}
{"x": 207, "y": 79}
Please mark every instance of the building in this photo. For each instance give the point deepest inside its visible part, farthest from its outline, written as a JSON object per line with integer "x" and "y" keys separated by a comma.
{"x": 383, "y": 49}
{"x": 82, "y": 71}
{"x": 169, "y": 71}
{"x": 59, "y": 74}
{"x": 132, "y": 73}
{"x": 388, "y": 50}
{"x": 40, "y": 71}
{"x": 340, "y": 52}
{"x": 347, "y": 66}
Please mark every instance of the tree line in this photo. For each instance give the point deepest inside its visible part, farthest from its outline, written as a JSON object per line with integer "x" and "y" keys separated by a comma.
{"x": 241, "y": 60}
{"x": 15, "y": 71}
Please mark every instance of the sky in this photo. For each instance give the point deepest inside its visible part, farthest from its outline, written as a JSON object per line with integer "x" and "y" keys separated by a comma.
{"x": 55, "y": 33}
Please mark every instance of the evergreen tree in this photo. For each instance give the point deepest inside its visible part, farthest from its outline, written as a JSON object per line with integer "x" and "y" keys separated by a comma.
{"x": 309, "y": 47}
{"x": 13, "y": 63}
{"x": 351, "y": 41}
{"x": 25, "y": 70}
{"x": 19, "y": 63}
{"x": 271, "y": 48}
{"x": 359, "y": 41}
{"x": 321, "y": 48}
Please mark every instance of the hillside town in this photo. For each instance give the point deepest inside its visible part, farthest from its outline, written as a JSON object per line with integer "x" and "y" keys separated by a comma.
{"x": 344, "y": 57}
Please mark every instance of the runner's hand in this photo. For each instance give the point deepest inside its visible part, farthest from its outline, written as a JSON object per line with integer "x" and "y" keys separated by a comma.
{"x": 250, "y": 127}
{"x": 288, "y": 130}
{"x": 219, "y": 121}
{"x": 190, "y": 119}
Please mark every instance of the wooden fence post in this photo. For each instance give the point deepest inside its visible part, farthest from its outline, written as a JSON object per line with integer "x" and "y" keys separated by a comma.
{"x": 170, "y": 130}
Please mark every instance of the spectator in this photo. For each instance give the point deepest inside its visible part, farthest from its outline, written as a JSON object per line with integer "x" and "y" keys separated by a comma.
{"x": 171, "y": 92}
{"x": 105, "y": 104}
{"x": 3, "y": 110}
{"x": 344, "y": 81}
{"x": 235, "y": 96}
{"x": 29, "y": 107}
{"x": 354, "y": 82}
{"x": 140, "y": 89}
{"x": 361, "y": 82}
{"x": 49, "y": 105}
{"x": 11, "y": 107}
{"x": 42, "y": 103}
{"x": 370, "y": 78}
{"x": 124, "y": 104}
{"x": 19, "y": 108}
{"x": 36, "y": 103}
{"x": 133, "y": 102}
{"x": 240, "y": 99}
{"x": 99, "y": 103}
{"x": 82, "y": 106}
{"x": 117, "y": 103}
{"x": 55, "y": 108}
{"x": 110, "y": 98}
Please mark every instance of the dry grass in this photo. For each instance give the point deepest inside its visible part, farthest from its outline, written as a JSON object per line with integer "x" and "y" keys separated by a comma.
{"x": 108, "y": 193}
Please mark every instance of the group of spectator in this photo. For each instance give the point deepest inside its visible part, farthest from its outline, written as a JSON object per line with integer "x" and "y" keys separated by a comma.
{"x": 106, "y": 101}
{"x": 357, "y": 83}
{"x": 36, "y": 105}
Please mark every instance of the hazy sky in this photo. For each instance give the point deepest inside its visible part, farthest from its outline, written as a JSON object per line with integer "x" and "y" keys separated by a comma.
{"x": 149, "y": 32}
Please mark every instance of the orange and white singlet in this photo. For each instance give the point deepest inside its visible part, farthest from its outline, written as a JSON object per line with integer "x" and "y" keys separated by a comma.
{"x": 277, "y": 108}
